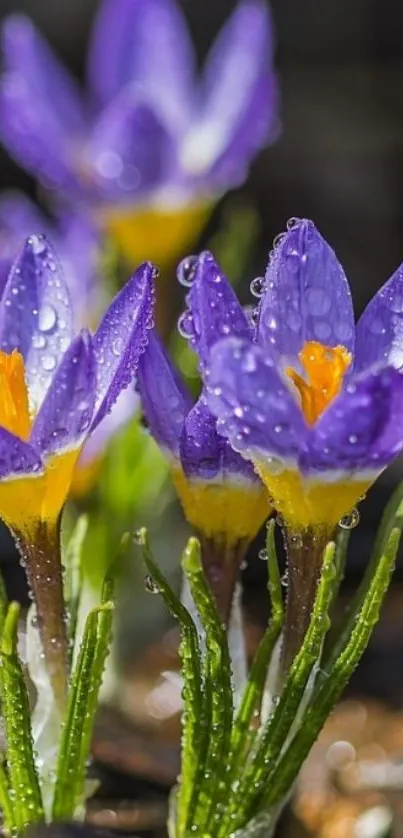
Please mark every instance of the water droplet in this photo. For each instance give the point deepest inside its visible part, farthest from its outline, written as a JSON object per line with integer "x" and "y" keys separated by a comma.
{"x": 263, "y": 555}
{"x": 186, "y": 325}
{"x": 150, "y": 585}
{"x": 293, "y": 222}
{"x": 278, "y": 239}
{"x": 257, "y": 286}
{"x": 37, "y": 244}
{"x": 48, "y": 362}
{"x": 186, "y": 271}
{"x": 117, "y": 346}
{"x": 38, "y": 341}
{"x": 348, "y": 522}
{"x": 47, "y": 318}
{"x": 353, "y": 439}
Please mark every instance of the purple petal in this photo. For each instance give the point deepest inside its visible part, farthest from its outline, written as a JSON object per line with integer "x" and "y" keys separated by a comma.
{"x": 17, "y": 457}
{"x": 214, "y": 307}
{"x": 204, "y": 454}
{"x": 307, "y": 297}
{"x": 145, "y": 42}
{"x": 254, "y": 407}
{"x": 40, "y": 109}
{"x": 126, "y": 407}
{"x": 130, "y": 150}
{"x": 65, "y": 415}
{"x": 239, "y": 98}
{"x": 121, "y": 338}
{"x": 164, "y": 398}
{"x": 35, "y": 314}
{"x": 380, "y": 328}
{"x": 362, "y": 429}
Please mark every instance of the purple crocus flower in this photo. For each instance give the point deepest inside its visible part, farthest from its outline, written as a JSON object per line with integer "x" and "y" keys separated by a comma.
{"x": 78, "y": 247}
{"x": 56, "y": 390}
{"x": 221, "y": 495}
{"x": 312, "y": 401}
{"x": 150, "y": 147}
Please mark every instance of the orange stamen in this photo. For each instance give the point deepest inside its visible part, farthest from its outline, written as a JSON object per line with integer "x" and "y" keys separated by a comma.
{"x": 14, "y": 406}
{"x": 325, "y": 367}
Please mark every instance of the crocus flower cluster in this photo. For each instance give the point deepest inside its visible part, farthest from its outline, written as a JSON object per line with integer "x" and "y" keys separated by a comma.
{"x": 150, "y": 148}
{"x": 221, "y": 494}
{"x": 56, "y": 389}
{"x": 312, "y": 402}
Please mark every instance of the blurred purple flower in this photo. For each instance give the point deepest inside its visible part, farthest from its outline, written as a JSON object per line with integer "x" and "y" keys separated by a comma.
{"x": 77, "y": 245}
{"x": 315, "y": 403}
{"x": 149, "y": 137}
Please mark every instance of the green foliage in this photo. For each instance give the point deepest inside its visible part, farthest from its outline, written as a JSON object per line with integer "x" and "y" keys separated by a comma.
{"x": 237, "y": 770}
{"x": 19, "y": 779}
{"x": 77, "y": 729}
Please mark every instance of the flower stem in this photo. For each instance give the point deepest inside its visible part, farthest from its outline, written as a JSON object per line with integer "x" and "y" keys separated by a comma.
{"x": 304, "y": 561}
{"x": 40, "y": 553}
{"x": 221, "y": 565}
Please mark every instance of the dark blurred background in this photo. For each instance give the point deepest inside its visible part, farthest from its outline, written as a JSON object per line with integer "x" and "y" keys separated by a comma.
{"x": 339, "y": 159}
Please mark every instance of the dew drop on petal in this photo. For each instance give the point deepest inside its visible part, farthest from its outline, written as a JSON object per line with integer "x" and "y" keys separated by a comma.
{"x": 48, "y": 362}
{"x": 38, "y": 341}
{"x": 37, "y": 243}
{"x": 186, "y": 325}
{"x": 117, "y": 347}
{"x": 47, "y": 318}
{"x": 293, "y": 222}
{"x": 278, "y": 239}
{"x": 186, "y": 271}
{"x": 257, "y": 286}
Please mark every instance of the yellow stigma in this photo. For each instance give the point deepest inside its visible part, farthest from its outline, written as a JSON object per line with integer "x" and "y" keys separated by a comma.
{"x": 14, "y": 405}
{"x": 325, "y": 367}
{"x": 228, "y": 512}
{"x": 148, "y": 232}
{"x": 305, "y": 503}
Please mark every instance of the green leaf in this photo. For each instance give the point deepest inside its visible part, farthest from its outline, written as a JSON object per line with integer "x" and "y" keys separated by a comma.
{"x": 327, "y": 693}
{"x": 261, "y": 765}
{"x": 391, "y": 518}
{"x": 213, "y": 789}
{"x": 23, "y": 777}
{"x": 252, "y": 696}
{"x": 82, "y": 703}
{"x": 194, "y": 732}
{"x": 3, "y": 603}
{"x": 8, "y": 815}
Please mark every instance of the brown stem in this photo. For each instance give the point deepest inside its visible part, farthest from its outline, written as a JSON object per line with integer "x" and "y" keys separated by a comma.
{"x": 304, "y": 560}
{"x": 221, "y": 563}
{"x": 42, "y": 560}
